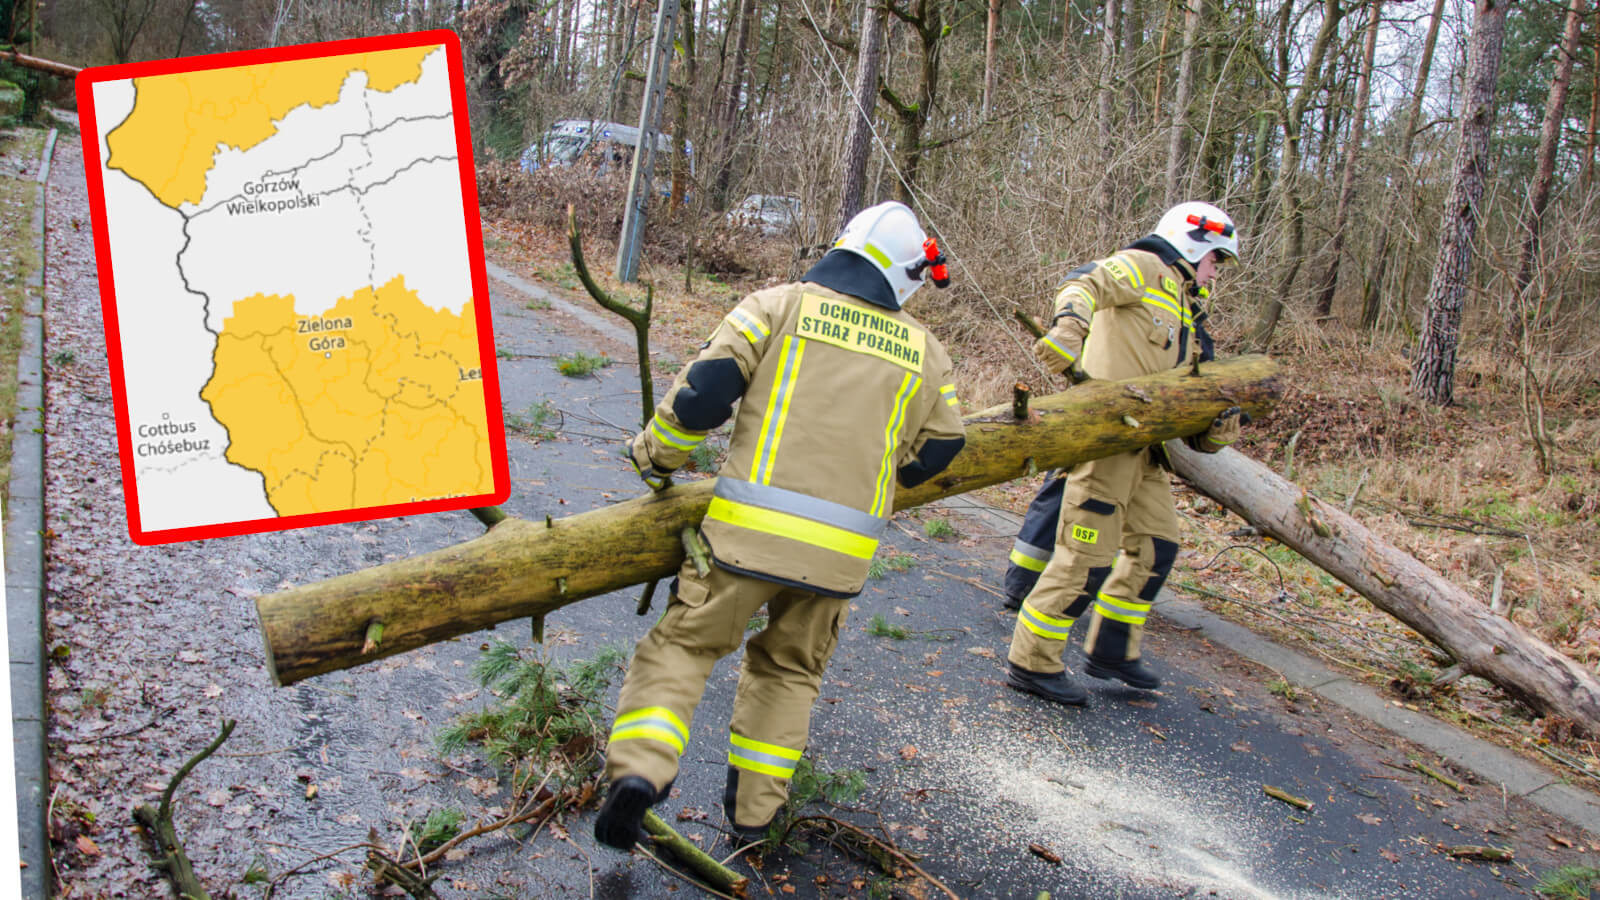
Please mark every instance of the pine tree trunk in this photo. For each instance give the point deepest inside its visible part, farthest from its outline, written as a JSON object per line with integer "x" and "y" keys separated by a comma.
{"x": 858, "y": 144}
{"x": 1433, "y": 371}
{"x": 1549, "y": 141}
{"x": 988, "y": 58}
{"x": 1347, "y": 186}
{"x": 521, "y": 569}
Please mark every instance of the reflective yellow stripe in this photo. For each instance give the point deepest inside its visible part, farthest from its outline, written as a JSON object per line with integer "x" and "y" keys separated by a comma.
{"x": 777, "y": 409}
{"x": 787, "y": 753}
{"x": 1127, "y": 611}
{"x": 672, "y": 436}
{"x": 1076, "y": 291}
{"x": 747, "y": 325}
{"x": 764, "y": 768}
{"x": 1134, "y": 275}
{"x": 879, "y": 255}
{"x": 1027, "y": 562}
{"x": 1051, "y": 628}
{"x": 770, "y": 521}
{"x": 1059, "y": 349}
{"x": 653, "y": 722}
{"x": 1162, "y": 301}
{"x": 891, "y": 441}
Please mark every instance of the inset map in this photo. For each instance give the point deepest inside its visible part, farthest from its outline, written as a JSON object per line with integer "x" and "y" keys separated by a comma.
{"x": 292, "y": 276}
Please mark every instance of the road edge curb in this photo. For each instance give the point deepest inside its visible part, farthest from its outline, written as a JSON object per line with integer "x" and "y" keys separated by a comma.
{"x": 24, "y": 568}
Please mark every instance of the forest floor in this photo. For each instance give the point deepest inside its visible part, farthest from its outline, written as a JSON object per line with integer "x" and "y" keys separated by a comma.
{"x": 1458, "y": 488}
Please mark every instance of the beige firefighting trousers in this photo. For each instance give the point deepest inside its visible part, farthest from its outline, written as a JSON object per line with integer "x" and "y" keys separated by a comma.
{"x": 1124, "y": 503}
{"x": 778, "y": 683}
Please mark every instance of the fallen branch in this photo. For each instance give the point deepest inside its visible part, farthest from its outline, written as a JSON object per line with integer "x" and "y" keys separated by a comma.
{"x": 1439, "y": 777}
{"x": 1478, "y": 851}
{"x": 158, "y": 824}
{"x": 1285, "y": 796}
{"x": 707, "y": 869}
{"x": 883, "y": 853}
{"x": 386, "y": 869}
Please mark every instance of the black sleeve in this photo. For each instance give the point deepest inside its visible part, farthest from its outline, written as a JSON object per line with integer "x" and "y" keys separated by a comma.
{"x": 932, "y": 459}
{"x": 707, "y": 400}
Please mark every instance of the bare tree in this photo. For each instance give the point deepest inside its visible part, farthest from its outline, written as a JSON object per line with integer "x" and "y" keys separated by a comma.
{"x": 1549, "y": 140}
{"x": 123, "y": 21}
{"x": 1434, "y": 369}
{"x": 1105, "y": 106}
{"x": 1290, "y": 220}
{"x": 1178, "y": 146}
{"x": 1347, "y": 183}
{"x": 859, "y": 142}
{"x": 927, "y": 22}
{"x": 988, "y": 58}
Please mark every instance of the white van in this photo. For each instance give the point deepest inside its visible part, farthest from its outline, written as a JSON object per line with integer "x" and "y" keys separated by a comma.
{"x": 605, "y": 146}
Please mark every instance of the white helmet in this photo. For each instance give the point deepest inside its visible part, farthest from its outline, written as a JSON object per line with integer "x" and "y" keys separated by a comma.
{"x": 888, "y": 236}
{"x": 1195, "y": 229}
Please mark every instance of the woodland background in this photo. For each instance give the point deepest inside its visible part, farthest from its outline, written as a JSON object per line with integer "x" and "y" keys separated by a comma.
{"x": 1414, "y": 185}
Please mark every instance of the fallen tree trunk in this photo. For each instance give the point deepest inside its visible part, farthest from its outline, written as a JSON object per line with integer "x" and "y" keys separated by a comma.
{"x": 42, "y": 65}
{"x": 521, "y": 569}
{"x": 1481, "y": 642}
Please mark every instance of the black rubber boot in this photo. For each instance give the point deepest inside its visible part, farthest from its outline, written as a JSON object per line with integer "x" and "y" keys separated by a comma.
{"x": 1055, "y": 686}
{"x": 1132, "y": 671}
{"x": 620, "y": 824}
{"x": 1013, "y": 603}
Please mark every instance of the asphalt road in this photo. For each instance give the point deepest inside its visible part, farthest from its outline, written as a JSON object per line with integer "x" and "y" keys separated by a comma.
{"x": 1138, "y": 795}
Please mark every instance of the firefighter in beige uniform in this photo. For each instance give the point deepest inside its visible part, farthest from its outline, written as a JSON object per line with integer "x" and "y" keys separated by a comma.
{"x": 843, "y": 395}
{"x": 1127, "y": 315}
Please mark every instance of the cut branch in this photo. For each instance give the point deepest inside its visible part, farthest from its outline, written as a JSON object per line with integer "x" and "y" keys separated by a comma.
{"x": 158, "y": 824}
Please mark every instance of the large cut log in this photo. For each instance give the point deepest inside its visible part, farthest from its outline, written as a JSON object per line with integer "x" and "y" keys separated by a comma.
{"x": 42, "y": 65}
{"x": 1482, "y": 643}
{"x": 522, "y": 569}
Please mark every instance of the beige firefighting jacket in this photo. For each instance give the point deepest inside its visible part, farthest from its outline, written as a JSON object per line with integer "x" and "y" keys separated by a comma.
{"x": 839, "y": 398}
{"x": 1132, "y": 314}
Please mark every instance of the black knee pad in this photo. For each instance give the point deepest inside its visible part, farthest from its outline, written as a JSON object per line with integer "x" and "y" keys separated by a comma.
{"x": 1166, "y": 553}
{"x": 1091, "y": 589}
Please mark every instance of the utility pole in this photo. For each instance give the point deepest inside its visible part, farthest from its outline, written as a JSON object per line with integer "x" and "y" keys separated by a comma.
{"x": 644, "y": 154}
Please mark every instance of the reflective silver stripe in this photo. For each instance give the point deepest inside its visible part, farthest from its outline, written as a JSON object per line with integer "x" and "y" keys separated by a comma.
{"x": 795, "y": 503}
{"x": 1047, "y": 627}
{"x": 1042, "y": 554}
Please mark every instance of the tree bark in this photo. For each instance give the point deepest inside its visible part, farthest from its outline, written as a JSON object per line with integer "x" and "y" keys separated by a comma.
{"x": 1434, "y": 369}
{"x": 1372, "y": 290}
{"x": 1178, "y": 145}
{"x": 522, "y": 569}
{"x": 858, "y": 144}
{"x": 1347, "y": 185}
{"x": 1549, "y": 141}
{"x": 1482, "y": 643}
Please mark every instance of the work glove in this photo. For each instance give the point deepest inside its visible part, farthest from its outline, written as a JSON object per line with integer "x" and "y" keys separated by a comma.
{"x": 657, "y": 478}
{"x": 1224, "y": 430}
{"x": 1061, "y": 349}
